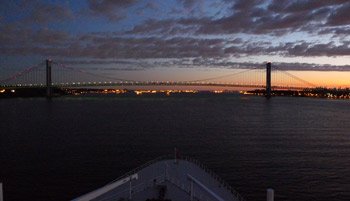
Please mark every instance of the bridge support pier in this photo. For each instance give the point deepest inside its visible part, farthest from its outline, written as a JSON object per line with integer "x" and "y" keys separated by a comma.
{"x": 270, "y": 194}
{"x": 48, "y": 79}
{"x": 1, "y": 193}
{"x": 268, "y": 80}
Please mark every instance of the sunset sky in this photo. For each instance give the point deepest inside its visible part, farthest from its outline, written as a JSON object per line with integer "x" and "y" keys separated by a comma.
{"x": 180, "y": 39}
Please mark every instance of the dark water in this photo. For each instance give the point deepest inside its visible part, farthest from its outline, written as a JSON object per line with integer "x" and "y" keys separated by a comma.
{"x": 61, "y": 149}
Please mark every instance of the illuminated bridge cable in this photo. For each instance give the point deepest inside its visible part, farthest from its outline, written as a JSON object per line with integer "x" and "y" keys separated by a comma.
{"x": 21, "y": 73}
{"x": 290, "y": 75}
{"x": 299, "y": 79}
{"x": 35, "y": 76}
{"x": 93, "y": 74}
{"x": 220, "y": 77}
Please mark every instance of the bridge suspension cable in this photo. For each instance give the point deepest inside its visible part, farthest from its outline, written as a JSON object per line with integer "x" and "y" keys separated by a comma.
{"x": 299, "y": 79}
{"x": 220, "y": 77}
{"x": 94, "y": 74}
{"x": 66, "y": 75}
{"x": 307, "y": 83}
{"x": 21, "y": 73}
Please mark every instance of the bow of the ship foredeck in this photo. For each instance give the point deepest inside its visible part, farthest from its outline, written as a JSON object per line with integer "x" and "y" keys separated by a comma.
{"x": 165, "y": 180}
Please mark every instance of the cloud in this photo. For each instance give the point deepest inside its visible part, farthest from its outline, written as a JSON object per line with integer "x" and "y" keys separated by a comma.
{"x": 97, "y": 46}
{"x": 153, "y": 47}
{"x": 50, "y": 37}
{"x": 310, "y": 67}
{"x": 50, "y": 42}
{"x": 142, "y": 64}
{"x": 169, "y": 27}
{"x": 43, "y": 13}
{"x": 340, "y": 16}
{"x": 324, "y": 49}
{"x": 336, "y": 31}
{"x": 212, "y": 37}
{"x": 191, "y": 7}
{"x": 243, "y": 5}
{"x": 152, "y": 5}
{"x": 287, "y": 6}
{"x": 259, "y": 17}
{"x": 276, "y": 65}
{"x": 111, "y": 9}
{"x": 188, "y": 3}
{"x": 9, "y": 37}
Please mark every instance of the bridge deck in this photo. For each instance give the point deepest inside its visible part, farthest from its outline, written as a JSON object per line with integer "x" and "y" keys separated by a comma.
{"x": 168, "y": 180}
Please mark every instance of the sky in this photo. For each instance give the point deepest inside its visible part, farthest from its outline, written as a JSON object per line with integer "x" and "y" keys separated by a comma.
{"x": 180, "y": 39}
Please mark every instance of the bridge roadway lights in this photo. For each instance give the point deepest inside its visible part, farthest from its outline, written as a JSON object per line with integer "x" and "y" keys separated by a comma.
{"x": 268, "y": 80}
{"x": 49, "y": 80}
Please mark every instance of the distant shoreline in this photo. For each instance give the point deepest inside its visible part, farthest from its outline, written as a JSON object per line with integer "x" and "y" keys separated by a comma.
{"x": 57, "y": 92}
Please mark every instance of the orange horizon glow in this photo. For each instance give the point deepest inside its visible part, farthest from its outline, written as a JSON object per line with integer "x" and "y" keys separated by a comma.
{"x": 329, "y": 79}
{"x": 255, "y": 77}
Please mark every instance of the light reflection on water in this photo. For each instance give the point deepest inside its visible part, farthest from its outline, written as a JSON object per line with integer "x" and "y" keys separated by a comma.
{"x": 60, "y": 149}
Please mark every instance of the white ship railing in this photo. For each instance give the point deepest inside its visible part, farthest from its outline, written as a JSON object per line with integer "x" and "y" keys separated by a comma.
{"x": 222, "y": 182}
{"x": 216, "y": 177}
{"x": 135, "y": 189}
{"x": 187, "y": 189}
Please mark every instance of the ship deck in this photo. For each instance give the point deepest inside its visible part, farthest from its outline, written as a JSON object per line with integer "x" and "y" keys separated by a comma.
{"x": 166, "y": 180}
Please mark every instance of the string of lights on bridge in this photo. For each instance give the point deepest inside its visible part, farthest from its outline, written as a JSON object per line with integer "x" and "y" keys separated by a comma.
{"x": 68, "y": 76}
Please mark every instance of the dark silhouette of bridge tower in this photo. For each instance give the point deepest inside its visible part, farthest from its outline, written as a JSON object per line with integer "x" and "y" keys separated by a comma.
{"x": 268, "y": 80}
{"x": 48, "y": 79}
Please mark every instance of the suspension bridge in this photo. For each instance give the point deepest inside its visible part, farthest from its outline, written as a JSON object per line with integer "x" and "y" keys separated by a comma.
{"x": 50, "y": 74}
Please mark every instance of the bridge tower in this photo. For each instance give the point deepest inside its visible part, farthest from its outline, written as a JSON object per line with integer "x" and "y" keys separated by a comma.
{"x": 48, "y": 79}
{"x": 268, "y": 80}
